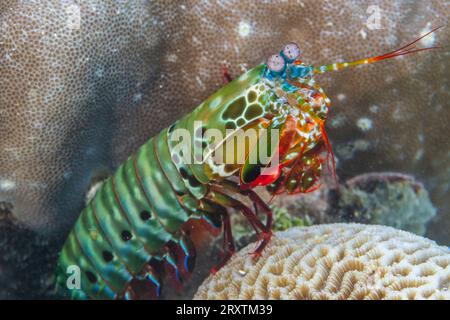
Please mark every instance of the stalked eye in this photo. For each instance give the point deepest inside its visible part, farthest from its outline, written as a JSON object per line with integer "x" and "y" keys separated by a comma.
{"x": 291, "y": 51}
{"x": 276, "y": 63}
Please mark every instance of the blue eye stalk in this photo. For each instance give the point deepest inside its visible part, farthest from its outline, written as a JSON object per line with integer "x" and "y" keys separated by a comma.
{"x": 286, "y": 66}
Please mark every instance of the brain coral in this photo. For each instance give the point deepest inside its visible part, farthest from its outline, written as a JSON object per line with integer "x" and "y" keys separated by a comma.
{"x": 336, "y": 261}
{"x": 75, "y": 102}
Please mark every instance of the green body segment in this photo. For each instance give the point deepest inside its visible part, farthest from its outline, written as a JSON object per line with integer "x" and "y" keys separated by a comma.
{"x": 94, "y": 246}
{"x": 132, "y": 252}
{"x": 164, "y": 202}
{"x": 142, "y": 207}
{"x": 163, "y": 155}
{"x": 72, "y": 256}
{"x": 133, "y": 201}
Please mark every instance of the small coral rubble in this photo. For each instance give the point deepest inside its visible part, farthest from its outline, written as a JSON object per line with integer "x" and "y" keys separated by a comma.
{"x": 391, "y": 199}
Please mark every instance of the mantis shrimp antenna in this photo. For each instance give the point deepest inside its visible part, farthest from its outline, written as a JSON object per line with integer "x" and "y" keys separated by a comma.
{"x": 407, "y": 49}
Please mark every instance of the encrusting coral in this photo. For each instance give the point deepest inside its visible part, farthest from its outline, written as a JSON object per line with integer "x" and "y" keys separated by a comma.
{"x": 336, "y": 261}
{"x": 391, "y": 199}
{"x": 387, "y": 198}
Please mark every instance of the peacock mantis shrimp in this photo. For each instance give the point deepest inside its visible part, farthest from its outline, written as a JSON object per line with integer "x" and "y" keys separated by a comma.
{"x": 136, "y": 226}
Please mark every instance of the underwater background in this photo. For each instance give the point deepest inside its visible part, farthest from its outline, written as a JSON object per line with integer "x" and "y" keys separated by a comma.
{"x": 78, "y": 96}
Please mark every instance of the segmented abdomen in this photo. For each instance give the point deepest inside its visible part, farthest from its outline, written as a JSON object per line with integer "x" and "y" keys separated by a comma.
{"x": 132, "y": 219}
{"x": 134, "y": 226}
